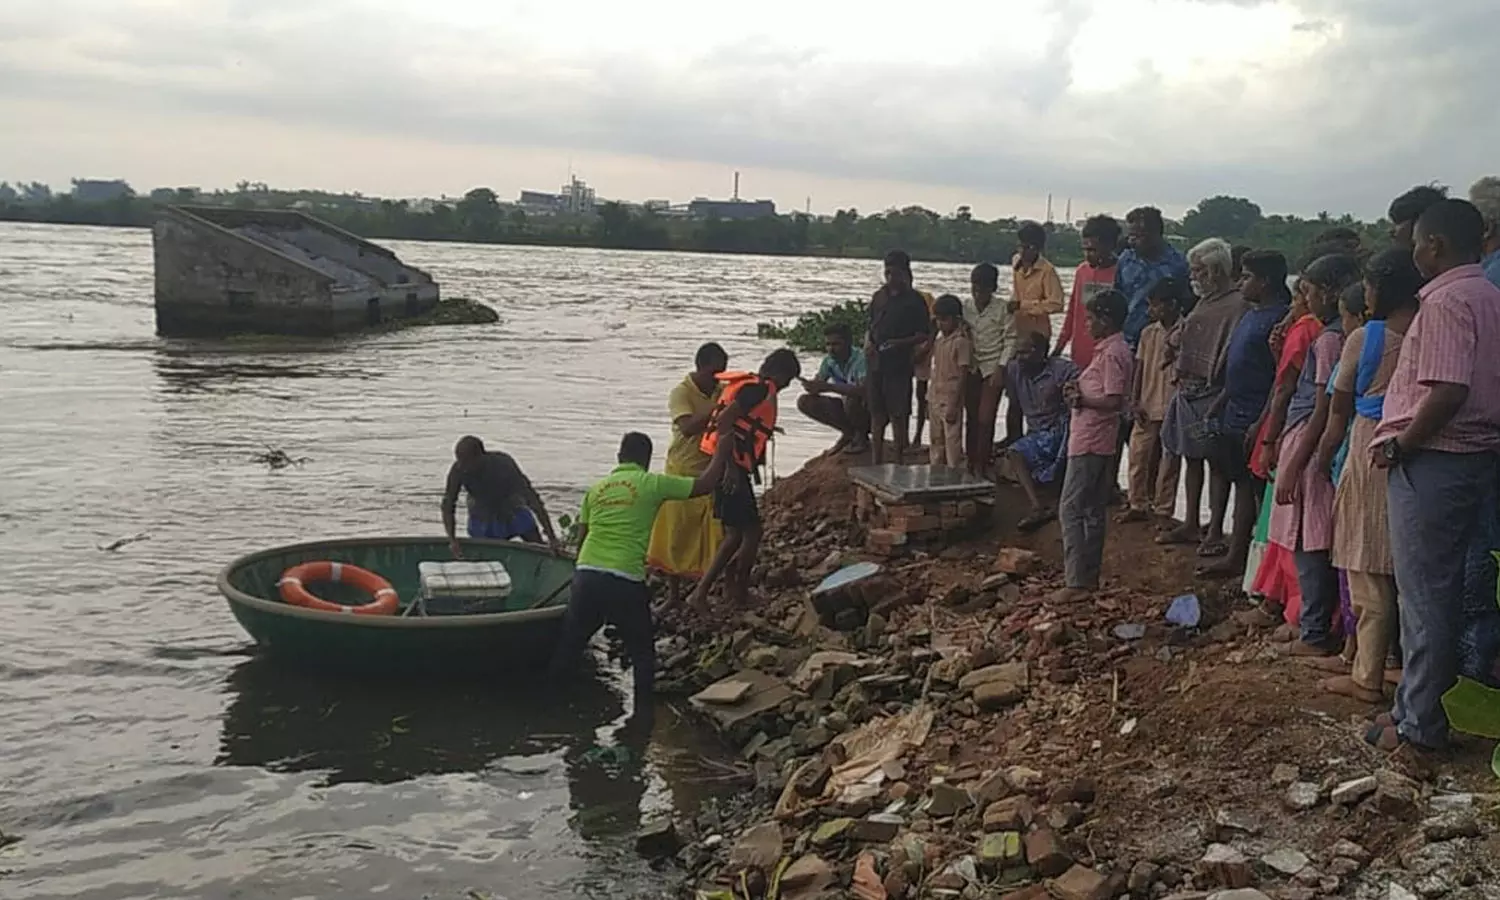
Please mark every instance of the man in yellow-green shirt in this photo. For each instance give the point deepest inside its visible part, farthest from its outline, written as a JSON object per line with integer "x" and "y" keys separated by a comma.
{"x": 609, "y": 580}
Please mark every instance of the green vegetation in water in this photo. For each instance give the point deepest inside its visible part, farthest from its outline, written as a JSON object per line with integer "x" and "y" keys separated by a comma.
{"x": 456, "y": 311}
{"x": 806, "y": 333}
{"x": 567, "y": 531}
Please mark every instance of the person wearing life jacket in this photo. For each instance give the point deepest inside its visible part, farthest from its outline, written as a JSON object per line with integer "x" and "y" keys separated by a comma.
{"x": 751, "y": 401}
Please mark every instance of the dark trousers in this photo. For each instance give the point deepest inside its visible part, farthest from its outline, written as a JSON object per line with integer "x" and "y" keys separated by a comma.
{"x": 1437, "y": 501}
{"x": 1319, "y": 583}
{"x": 1087, "y": 486}
{"x": 600, "y": 598}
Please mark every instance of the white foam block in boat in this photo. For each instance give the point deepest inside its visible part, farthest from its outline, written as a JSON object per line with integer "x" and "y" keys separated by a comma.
{"x": 463, "y": 579}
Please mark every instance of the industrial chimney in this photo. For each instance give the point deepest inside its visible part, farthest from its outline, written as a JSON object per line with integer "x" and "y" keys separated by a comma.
{"x": 736, "y": 185}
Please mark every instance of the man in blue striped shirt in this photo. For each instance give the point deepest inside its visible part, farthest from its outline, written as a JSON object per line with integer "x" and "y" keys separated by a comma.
{"x": 1148, "y": 260}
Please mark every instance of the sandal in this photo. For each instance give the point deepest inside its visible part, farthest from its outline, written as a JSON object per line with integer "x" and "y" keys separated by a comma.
{"x": 1133, "y": 515}
{"x": 1035, "y": 520}
{"x": 1216, "y": 547}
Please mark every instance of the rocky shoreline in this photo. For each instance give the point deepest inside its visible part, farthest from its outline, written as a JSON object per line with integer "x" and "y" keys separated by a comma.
{"x": 942, "y": 731}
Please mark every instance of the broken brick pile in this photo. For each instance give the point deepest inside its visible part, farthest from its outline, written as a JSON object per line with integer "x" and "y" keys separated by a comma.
{"x": 891, "y": 529}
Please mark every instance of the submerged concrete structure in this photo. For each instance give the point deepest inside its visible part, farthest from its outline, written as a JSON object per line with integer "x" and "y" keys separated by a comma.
{"x": 222, "y": 270}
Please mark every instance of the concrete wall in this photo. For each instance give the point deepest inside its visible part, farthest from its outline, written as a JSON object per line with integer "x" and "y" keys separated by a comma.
{"x": 213, "y": 281}
{"x": 211, "y": 284}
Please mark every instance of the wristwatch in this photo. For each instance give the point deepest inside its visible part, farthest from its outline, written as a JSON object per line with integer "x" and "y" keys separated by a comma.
{"x": 1391, "y": 451}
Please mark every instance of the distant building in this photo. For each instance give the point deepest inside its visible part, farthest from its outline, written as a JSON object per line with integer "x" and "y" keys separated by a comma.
{"x": 575, "y": 198}
{"x": 88, "y": 190}
{"x": 176, "y": 195}
{"x": 222, "y": 271}
{"x": 657, "y": 206}
{"x": 702, "y": 208}
{"x": 540, "y": 203}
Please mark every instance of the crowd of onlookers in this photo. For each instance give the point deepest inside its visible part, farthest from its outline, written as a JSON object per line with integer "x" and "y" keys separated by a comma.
{"x": 1351, "y": 413}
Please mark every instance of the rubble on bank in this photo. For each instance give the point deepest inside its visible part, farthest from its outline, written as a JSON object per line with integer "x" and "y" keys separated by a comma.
{"x": 942, "y": 730}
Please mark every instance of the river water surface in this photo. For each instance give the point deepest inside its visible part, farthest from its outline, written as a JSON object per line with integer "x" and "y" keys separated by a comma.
{"x": 144, "y": 752}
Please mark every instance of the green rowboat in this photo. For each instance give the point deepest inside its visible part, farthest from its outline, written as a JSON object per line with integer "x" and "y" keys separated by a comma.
{"x": 521, "y": 636}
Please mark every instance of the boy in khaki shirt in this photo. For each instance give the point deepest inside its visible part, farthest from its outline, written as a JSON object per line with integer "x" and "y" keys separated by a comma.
{"x": 1153, "y": 471}
{"x": 952, "y": 361}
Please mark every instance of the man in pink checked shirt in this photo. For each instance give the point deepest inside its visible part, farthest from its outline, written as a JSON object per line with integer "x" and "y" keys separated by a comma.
{"x": 1439, "y": 439}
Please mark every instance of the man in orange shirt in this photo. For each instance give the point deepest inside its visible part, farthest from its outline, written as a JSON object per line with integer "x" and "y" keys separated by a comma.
{"x": 1036, "y": 296}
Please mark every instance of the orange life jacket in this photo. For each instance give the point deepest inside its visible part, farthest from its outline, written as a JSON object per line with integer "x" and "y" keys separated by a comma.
{"x": 751, "y": 432}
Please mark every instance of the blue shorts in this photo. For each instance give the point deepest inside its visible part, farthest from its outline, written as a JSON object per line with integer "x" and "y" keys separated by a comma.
{"x": 1042, "y": 451}
{"x": 522, "y": 524}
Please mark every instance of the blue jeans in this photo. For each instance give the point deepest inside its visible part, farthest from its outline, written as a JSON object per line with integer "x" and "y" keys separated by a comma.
{"x": 1437, "y": 504}
{"x": 521, "y": 524}
{"x": 1319, "y": 583}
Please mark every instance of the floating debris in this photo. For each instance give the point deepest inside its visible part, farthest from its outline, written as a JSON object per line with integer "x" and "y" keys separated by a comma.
{"x": 277, "y": 458}
{"x": 114, "y": 545}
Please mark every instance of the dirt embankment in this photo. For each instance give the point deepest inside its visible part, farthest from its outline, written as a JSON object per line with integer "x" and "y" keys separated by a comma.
{"x": 1089, "y": 750}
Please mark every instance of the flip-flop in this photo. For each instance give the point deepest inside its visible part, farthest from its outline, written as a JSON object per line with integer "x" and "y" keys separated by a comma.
{"x": 1384, "y": 737}
{"x": 1209, "y": 549}
{"x": 1035, "y": 520}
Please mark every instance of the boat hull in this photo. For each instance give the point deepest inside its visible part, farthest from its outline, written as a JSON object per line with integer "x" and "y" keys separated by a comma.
{"x": 521, "y": 638}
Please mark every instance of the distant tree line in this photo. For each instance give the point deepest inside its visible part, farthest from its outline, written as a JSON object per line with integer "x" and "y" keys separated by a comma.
{"x": 481, "y": 217}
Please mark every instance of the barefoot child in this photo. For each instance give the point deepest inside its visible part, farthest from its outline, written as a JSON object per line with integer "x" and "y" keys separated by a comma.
{"x": 1098, "y": 400}
{"x": 1153, "y": 472}
{"x": 952, "y": 362}
{"x": 751, "y": 400}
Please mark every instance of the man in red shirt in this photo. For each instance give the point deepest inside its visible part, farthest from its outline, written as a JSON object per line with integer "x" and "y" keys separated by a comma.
{"x": 1101, "y": 235}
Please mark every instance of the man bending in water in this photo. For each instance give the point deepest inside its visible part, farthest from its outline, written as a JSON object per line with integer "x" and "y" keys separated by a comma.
{"x": 609, "y": 583}
{"x": 502, "y": 503}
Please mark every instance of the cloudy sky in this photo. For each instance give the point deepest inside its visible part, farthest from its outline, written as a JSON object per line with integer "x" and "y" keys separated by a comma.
{"x": 1301, "y": 105}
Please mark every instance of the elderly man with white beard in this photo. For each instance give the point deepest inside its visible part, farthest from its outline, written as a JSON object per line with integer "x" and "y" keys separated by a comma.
{"x": 1200, "y": 348}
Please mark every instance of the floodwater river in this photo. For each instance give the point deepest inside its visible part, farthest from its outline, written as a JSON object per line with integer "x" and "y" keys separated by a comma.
{"x": 144, "y": 752}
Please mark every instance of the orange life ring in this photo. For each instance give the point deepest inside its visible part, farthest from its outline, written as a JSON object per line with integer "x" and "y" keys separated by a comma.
{"x": 292, "y": 590}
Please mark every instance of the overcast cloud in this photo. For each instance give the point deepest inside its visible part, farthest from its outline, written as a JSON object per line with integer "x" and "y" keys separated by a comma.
{"x": 1302, "y": 105}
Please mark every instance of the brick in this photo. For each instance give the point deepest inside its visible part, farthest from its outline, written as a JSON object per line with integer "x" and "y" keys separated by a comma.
{"x": 917, "y": 524}
{"x": 1227, "y": 866}
{"x": 967, "y": 508}
{"x": 1079, "y": 883}
{"x": 1009, "y": 814}
{"x": 1015, "y": 561}
{"x": 887, "y": 536}
{"x": 1044, "y": 852}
